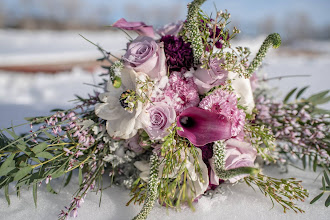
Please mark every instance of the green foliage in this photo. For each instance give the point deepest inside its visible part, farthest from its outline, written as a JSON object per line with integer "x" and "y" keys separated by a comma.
{"x": 325, "y": 188}
{"x": 282, "y": 191}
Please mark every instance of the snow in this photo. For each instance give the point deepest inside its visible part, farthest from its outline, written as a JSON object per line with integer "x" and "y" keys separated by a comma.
{"x": 23, "y": 95}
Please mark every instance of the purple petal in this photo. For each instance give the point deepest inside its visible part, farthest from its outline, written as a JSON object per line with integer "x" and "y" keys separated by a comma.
{"x": 202, "y": 126}
{"x": 140, "y": 27}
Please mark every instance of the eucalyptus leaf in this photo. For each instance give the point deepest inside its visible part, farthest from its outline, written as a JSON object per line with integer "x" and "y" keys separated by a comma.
{"x": 50, "y": 189}
{"x": 7, "y": 193}
{"x": 287, "y": 97}
{"x": 322, "y": 100}
{"x": 314, "y": 98}
{"x": 6, "y": 163}
{"x": 48, "y": 135}
{"x": 35, "y": 193}
{"x": 67, "y": 181}
{"x": 315, "y": 164}
{"x": 6, "y": 171}
{"x": 40, "y": 147}
{"x": 327, "y": 202}
{"x": 304, "y": 161}
{"x": 22, "y": 173}
{"x": 326, "y": 177}
{"x": 80, "y": 176}
{"x": 301, "y": 91}
{"x": 45, "y": 155}
{"x": 317, "y": 197}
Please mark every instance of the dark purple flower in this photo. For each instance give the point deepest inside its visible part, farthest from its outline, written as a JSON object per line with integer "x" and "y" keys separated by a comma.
{"x": 207, "y": 152}
{"x": 178, "y": 53}
{"x": 202, "y": 127}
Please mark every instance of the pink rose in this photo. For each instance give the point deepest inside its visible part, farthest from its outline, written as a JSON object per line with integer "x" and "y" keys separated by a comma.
{"x": 139, "y": 27}
{"x": 206, "y": 79}
{"x": 158, "y": 118}
{"x": 170, "y": 29}
{"x": 145, "y": 55}
{"x": 238, "y": 154}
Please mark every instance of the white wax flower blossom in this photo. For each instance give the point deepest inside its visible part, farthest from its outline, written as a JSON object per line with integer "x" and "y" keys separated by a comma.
{"x": 121, "y": 123}
{"x": 243, "y": 90}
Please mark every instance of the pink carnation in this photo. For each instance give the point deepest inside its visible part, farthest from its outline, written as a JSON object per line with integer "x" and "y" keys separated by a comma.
{"x": 182, "y": 91}
{"x": 225, "y": 103}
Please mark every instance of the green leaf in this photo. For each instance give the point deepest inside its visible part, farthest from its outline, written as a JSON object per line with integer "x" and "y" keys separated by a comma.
{"x": 68, "y": 179}
{"x": 48, "y": 135}
{"x": 326, "y": 177}
{"x": 57, "y": 110}
{"x": 322, "y": 101}
{"x": 304, "y": 161}
{"x": 7, "y": 194}
{"x": 50, "y": 189}
{"x": 58, "y": 174}
{"x": 24, "y": 148}
{"x": 40, "y": 147}
{"x": 6, "y": 164}
{"x": 12, "y": 133}
{"x": 317, "y": 197}
{"x": 315, "y": 163}
{"x": 35, "y": 193}
{"x": 18, "y": 192}
{"x": 45, "y": 155}
{"x": 320, "y": 111}
{"x": 80, "y": 176}
{"x": 327, "y": 202}
{"x": 301, "y": 91}
{"x": 317, "y": 97}
{"x": 287, "y": 97}
{"x": 323, "y": 183}
{"x": 6, "y": 171}
{"x": 22, "y": 173}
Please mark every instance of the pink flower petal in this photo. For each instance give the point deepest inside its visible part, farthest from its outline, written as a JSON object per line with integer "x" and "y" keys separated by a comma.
{"x": 139, "y": 27}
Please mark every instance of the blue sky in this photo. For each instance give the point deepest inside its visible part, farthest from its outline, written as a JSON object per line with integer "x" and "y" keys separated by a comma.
{"x": 246, "y": 13}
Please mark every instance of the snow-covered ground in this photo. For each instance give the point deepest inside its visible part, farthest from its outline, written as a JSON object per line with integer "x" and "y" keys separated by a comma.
{"x": 23, "y": 95}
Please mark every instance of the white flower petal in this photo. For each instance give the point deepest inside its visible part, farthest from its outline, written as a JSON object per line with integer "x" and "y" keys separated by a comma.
{"x": 107, "y": 111}
{"x": 243, "y": 90}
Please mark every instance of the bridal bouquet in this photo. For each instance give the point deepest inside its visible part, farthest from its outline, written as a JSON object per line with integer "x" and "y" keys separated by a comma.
{"x": 182, "y": 111}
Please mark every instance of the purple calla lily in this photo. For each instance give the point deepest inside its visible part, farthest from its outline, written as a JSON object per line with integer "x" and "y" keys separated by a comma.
{"x": 202, "y": 126}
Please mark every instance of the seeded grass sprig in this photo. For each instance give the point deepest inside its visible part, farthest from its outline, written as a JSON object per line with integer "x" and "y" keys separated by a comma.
{"x": 192, "y": 32}
{"x": 273, "y": 40}
{"x": 282, "y": 191}
{"x": 152, "y": 188}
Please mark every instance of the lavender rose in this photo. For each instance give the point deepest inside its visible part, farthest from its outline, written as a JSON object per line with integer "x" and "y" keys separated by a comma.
{"x": 205, "y": 79}
{"x": 139, "y": 27}
{"x": 238, "y": 154}
{"x": 145, "y": 55}
{"x": 170, "y": 29}
{"x": 158, "y": 118}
